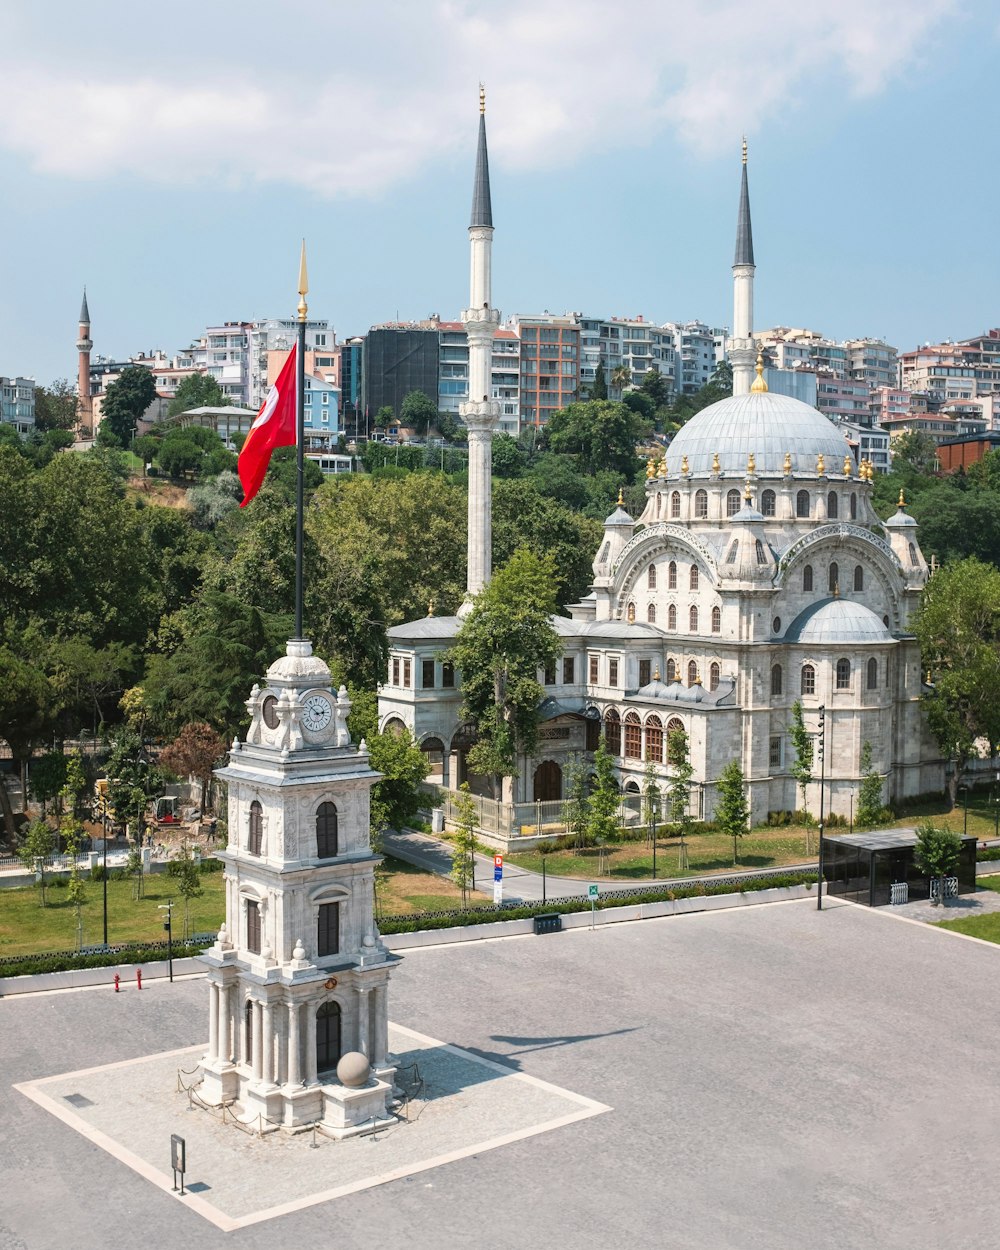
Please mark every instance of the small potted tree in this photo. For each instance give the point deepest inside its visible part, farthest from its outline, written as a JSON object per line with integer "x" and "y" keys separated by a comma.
{"x": 937, "y": 853}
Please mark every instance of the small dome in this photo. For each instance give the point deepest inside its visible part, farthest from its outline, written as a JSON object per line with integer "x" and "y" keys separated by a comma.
{"x": 765, "y": 426}
{"x": 619, "y": 517}
{"x": 298, "y": 664}
{"x": 837, "y": 621}
{"x": 691, "y": 694}
{"x": 655, "y": 689}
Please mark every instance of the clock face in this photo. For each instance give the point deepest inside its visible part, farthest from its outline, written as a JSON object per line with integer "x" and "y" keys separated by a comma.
{"x": 317, "y": 713}
{"x": 269, "y": 712}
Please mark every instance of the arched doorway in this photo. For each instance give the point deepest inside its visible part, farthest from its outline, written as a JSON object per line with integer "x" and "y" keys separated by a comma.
{"x": 548, "y": 782}
{"x": 433, "y": 749}
{"x": 327, "y": 1037}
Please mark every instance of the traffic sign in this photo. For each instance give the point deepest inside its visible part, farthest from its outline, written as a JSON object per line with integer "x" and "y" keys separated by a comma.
{"x": 497, "y": 874}
{"x": 497, "y": 861}
{"x": 592, "y": 891}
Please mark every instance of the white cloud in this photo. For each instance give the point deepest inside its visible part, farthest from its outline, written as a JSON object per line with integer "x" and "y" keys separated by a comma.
{"x": 568, "y": 79}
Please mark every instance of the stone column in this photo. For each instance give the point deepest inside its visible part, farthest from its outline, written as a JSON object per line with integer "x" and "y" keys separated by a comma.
{"x": 294, "y": 1045}
{"x": 213, "y": 1020}
{"x": 311, "y": 1077}
{"x": 363, "y": 1021}
{"x": 267, "y": 1049}
{"x": 256, "y": 1044}
{"x": 281, "y": 1039}
{"x": 379, "y": 1041}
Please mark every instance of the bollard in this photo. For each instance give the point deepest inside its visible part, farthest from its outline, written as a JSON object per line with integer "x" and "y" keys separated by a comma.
{"x": 117, "y": 983}
{"x": 138, "y": 976}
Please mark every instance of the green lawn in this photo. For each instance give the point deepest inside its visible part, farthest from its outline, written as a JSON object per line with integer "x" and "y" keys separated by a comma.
{"x": 986, "y": 927}
{"x": 989, "y": 883}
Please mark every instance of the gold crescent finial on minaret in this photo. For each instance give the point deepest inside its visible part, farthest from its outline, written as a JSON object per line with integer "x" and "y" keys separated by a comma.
{"x": 744, "y": 149}
{"x": 621, "y": 497}
{"x": 303, "y": 283}
{"x": 902, "y": 499}
{"x": 482, "y": 98}
{"x": 759, "y": 386}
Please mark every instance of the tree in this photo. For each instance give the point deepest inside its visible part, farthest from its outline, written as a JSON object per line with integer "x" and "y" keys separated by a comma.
{"x": 189, "y": 886}
{"x": 958, "y": 628}
{"x": 125, "y": 400}
{"x": 72, "y": 833}
{"x": 650, "y": 798}
{"x": 871, "y": 809}
{"x": 679, "y": 788}
{"x": 463, "y": 856}
{"x": 621, "y": 377}
{"x": 384, "y": 417}
{"x": 418, "y": 412}
{"x": 48, "y": 776}
{"x": 937, "y": 853}
{"x": 195, "y": 752}
{"x": 198, "y": 390}
{"x": 732, "y": 812}
{"x": 502, "y": 644}
{"x": 133, "y": 866}
{"x": 602, "y": 817}
{"x": 914, "y": 452}
{"x": 212, "y": 500}
{"x": 509, "y": 458}
{"x": 599, "y": 386}
{"x": 179, "y": 455}
{"x": 27, "y": 702}
{"x": 396, "y": 796}
{"x": 654, "y": 384}
{"x": 802, "y": 744}
{"x": 576, "y": 801}
{"x": 56, "y": 406}
{"x": 601, "y": 434}
{"x": 524, "y": 518}
{"x": 34, "y": 850}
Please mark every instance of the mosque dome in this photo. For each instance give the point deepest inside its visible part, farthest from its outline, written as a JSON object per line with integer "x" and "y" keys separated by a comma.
{"x": 837, "y": 621}
{"x": 765, "y": 426}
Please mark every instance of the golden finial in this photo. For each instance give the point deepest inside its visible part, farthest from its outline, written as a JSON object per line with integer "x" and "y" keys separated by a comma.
{"x": 621, "y": 497}
{"x": 747, "y": 495}
{"x": 902, "y": 499}
{"x": 870, "y": 472}
{"x": 684, "y": 466}
{"x": 662, "y": 471}
{"x": 836, "y": 590}
{"x": 656, "y": 673}
{"x": 716, "y": 467}
{"x": 430, "y": 608}
{"x": 751, "y": 463}
{"x": 744, "y": 149}
{"x": 820, "y": 465}
{"x": 697, "y": 678}
{"x": 482, "y": 98}
{"x": 788, "y": 463}
{"x": 848, "y": 465}
{"x": 930, "y": 678}
{"x": 303, "y": 284}
{"x": 759, "y": 386}
{"x": 650, "y": 467}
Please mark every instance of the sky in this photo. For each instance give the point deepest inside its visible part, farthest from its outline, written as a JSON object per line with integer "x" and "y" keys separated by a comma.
{"x": 172, "y": 156}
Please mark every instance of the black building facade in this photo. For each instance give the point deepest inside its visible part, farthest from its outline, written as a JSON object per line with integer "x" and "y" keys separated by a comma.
{"x": 396, "y": 361}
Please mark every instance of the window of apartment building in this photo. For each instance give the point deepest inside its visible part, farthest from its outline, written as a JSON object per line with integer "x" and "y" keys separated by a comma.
{"x": 407, "y": 674}
{"x": 593, "y": 671}
{"x": 568, "y": 670}
{"x": 427, "y": 674}
{"x": 328, "y": 929}
{"x": 613, "y": 672}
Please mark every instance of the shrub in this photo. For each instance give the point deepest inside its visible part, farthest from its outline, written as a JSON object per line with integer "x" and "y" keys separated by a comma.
{"x": 65, "y": 961}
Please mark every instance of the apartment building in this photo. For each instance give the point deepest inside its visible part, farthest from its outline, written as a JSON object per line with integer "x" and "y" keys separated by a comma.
{"x": 17, "y": 403}
{"x": 626, "y": 349}
{"x": 550, "y": 364}
{"x": 697, "y": 349}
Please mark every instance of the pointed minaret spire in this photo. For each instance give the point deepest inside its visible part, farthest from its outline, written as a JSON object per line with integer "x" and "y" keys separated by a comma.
{"x": 84, "y": 345}
{"x": 480, "y": 413}
{"x": 482, "y": 209}
{"x": 742, "y": 352}
{"x": 84, "y": 310}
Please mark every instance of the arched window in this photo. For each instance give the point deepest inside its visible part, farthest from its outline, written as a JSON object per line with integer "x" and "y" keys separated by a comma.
{"x": 873, "y": 674}
{"x": 651, "y": 614}
{"x": 253, "y": 926}
{"x": 776, "y": 680}
{"x": 633, "y": 737}
{"x": 831, "y": 505}
{"x": 672, "y": 575}
{"x": 714, "y": 673}
{"x": 658, "y": 502}
{"x": 808, "y": 679}
{"x": 834, "y": 579}
{"x": 675, "y": 503}
{"x": 326, "y": 831}
{"x": 671, "y": 670}
{"x": 701, "y": 503}
{"x": 854, "y": 506}
{"x": 694, "y": 579}
{"x": 807, "y": 577}
{"x": 256, "y": 831}
{"x": 654, "y": 740}
{"x": 630, "y": 613}
{"x": 802, "y": 503}
{"x": 612, "y": 732}
{"x": 843, "y": 674}
{"x": 692, "y": 673}
{"x": 768, "y": 503}
{"x": 672, "y": 616}
{"x": 693, "y": 620}
{"x": 327, "y": 1036}
{"x": 651, "y": 577}
{"x": 731, "y": 556}
{"x": 673, "y": 724}
{"x": 859, "y": 577}
{"x": 248, "y": 1032}
{"x": 328, "y": 929}
{"x": 759, "y": 549}
{"x": 913, "y": 554}
{"x": 732, "y": 503}
{"x": 716, "y": 620}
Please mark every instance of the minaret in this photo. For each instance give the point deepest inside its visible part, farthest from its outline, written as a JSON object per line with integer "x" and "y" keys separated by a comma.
{"x": 84, "y": 344}
{"x": 742, "y": 352}
{"x": 480, "y": 413}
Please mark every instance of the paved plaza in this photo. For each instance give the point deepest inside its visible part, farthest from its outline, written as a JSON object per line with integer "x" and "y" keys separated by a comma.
{"x": 775, "y": 1077}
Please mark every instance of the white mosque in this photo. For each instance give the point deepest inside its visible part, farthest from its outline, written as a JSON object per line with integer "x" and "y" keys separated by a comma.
{"x": 758, "y": 574}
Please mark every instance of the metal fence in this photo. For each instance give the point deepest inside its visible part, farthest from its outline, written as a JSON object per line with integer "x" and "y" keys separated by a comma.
{"x": 522, "y": 820}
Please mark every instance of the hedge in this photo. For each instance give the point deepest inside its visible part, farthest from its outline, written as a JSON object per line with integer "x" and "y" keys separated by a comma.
{"x": 616, "y": 898}
{"x": 67, "y": 961}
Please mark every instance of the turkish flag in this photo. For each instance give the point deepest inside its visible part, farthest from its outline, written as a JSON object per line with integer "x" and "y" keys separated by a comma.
{"x": 274, "y": 426}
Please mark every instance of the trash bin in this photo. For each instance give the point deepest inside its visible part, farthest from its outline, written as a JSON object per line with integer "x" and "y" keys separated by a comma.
{"x": 437, "y": 820}
{"x": 551, "y": 922}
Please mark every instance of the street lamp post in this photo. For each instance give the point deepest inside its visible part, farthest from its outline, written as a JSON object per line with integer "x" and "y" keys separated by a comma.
{"x": 168, "y": 925}
{"x": 652, "y": 829}
{"x": 104, "y": 882}
{"x": 996, "y": 807}
{"x": 965, "y": 805}
{"x": 822, "y": 795}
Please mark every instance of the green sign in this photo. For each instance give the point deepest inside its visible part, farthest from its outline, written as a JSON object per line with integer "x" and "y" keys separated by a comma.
{"x": 592, "y": 892}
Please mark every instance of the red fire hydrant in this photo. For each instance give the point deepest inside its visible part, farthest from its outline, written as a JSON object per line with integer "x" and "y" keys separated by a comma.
{"x": 138, "y": 976}
{"x": 117, "y": 981}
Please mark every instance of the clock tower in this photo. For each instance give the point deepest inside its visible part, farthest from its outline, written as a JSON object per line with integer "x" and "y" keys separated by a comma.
{"x": 298, "y": 976}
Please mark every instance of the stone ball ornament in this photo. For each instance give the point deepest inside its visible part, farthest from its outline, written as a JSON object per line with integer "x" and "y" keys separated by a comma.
{"x": 353, "y": 1070}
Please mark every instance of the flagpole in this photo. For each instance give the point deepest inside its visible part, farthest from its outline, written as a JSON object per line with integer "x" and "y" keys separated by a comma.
{"x": 300, "y": 425}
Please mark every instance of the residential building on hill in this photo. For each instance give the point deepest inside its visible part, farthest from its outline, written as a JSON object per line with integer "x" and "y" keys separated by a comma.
{"x": 17, "y": 403}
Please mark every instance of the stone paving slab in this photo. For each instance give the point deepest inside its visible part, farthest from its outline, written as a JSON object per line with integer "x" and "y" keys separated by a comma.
{"x": 236, "y": 1177}
{"x": 961, "y": 908}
